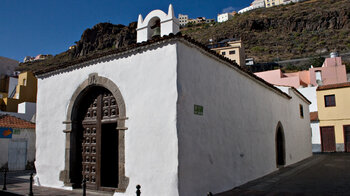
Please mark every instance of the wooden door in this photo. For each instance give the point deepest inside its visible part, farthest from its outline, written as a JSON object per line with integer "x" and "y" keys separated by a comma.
{"x": 90, "y": 165}
{"x": 347, "y": 138}
{"x": 100, "y": 141}
{"x": 328, "y": 139}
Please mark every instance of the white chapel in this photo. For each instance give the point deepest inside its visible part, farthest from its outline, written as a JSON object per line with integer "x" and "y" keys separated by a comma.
{"x": 166, "y": 113}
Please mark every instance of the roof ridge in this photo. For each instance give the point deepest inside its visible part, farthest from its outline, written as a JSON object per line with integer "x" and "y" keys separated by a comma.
{"x": 150, "y": 42}
{"x": 8, "y": 115}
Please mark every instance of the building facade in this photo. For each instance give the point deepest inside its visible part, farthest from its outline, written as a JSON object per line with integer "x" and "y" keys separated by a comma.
{"x": 225, "y": 16}
{"x": 333, "y": 71}
{"x": 255, "y": 5}
{"x": 271, "y": 3}
{"x": 26, "y": 90}
{"x": 230, "y": 48}
{"x": 183, "y": 20}
{"x": 17, "y": 143}
{"x": 154, "y": 113}
{"x": 334, "y": 117}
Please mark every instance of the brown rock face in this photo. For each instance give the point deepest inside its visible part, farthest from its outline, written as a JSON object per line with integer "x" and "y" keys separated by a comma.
{"x": 103, "y": 36}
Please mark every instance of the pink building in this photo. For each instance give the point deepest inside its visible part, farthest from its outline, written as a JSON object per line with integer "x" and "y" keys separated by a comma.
{"x": 332, "y": 72}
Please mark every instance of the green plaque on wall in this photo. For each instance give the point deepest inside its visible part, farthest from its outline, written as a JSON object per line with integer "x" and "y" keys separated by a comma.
{"x": 198, "y": 110}
{"x": 16, "y": 131}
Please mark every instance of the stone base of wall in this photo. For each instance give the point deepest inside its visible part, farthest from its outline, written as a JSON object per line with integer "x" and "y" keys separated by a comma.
{"x": 340, "y": 148}
{"x": 316, "y": 148}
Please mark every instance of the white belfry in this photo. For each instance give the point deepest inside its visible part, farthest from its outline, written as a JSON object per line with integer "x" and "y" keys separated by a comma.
{"x": 168, "y": 24}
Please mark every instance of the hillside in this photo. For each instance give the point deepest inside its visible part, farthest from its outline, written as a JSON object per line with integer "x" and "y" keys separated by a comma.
{"x": 285, "y": 32}
{"x": 304, "y": 29}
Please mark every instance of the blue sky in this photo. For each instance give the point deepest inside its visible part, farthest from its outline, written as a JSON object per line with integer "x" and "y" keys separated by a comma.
{"x": 28, "y": 28}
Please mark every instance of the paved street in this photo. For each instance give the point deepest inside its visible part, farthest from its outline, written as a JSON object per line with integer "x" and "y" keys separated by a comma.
{"x": 18, "y": 183}
{"x": 322, "y": 174}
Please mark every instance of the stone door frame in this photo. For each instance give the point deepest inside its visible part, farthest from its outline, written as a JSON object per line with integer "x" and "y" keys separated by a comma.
{"x": 95, "y": 80}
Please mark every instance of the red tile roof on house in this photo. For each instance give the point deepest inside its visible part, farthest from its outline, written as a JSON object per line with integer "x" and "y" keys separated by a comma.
{"x": 333, "y": 86}
{"x": 314, "y": 116}
{"x": 14, "y": 122}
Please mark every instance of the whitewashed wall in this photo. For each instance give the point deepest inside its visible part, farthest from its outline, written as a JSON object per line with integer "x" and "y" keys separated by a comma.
{"x": 27, "y": 135}
{"x": 316, "y": 137}
{"x": 310, "y": 94}
{"x": 147, "y": 81}
{"x": 234, "y": 141}
{"x": 12, "y": 85}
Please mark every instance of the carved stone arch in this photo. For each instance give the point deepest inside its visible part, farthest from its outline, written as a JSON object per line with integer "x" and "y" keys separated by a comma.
{"x": 162, "y": 16}
{"x": 95, "y": 81}
{"x": 280, "y": 145}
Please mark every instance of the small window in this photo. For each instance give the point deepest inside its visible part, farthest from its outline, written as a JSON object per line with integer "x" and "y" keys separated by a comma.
{"x": 329, "y": 100}
{"x": 24, "y": 82}
{"x": 223, "y": 53}
{"x": 301, "y": 110}
{"x": 318, "y": 75}
{"x": 232, "y": 52}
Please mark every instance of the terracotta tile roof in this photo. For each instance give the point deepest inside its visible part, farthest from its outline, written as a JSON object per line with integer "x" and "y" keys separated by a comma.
{"x": 135, "y": 47}
{"x": 14, "y": 122}
{"x": 314, "y": 116}
{"x": 333, "y": 86}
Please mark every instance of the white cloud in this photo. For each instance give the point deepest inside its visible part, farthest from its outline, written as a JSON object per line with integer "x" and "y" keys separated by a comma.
{"x": 228, "y": 9}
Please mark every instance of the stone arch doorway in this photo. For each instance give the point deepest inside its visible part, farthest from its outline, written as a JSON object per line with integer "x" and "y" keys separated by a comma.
{"x": 95, "y": 131}
{"x": 280, "y": 146}
{"x": 96, "y": 138}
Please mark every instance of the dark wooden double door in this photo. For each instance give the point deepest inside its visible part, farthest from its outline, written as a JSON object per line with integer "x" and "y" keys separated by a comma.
{"x": 328, "y": 139}
{"x": 347, "y": 138}
{"x": 99, "y": 143}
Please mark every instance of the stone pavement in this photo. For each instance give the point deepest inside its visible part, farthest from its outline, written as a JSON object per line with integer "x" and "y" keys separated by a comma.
{"x": 322, "y": 174}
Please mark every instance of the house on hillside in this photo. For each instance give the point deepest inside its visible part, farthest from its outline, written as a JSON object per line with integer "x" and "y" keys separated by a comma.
{"x": 271, "y": 3}
{"x": 183, "y": 20}
{"x": 226, "y": 16}
{"x": 232, "y": 49}
{"x": 166, "y": 113}
{"x": 254, "y": 5}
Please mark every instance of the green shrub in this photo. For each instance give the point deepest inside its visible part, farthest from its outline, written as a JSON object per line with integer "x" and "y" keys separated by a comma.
{"x": 258, "y": 49}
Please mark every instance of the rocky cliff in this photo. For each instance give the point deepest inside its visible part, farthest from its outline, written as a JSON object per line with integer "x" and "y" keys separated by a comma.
{"x": 104, "y": 36}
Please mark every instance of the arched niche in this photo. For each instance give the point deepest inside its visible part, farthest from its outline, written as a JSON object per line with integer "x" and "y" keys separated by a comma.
{"x": 280, "y": 146}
